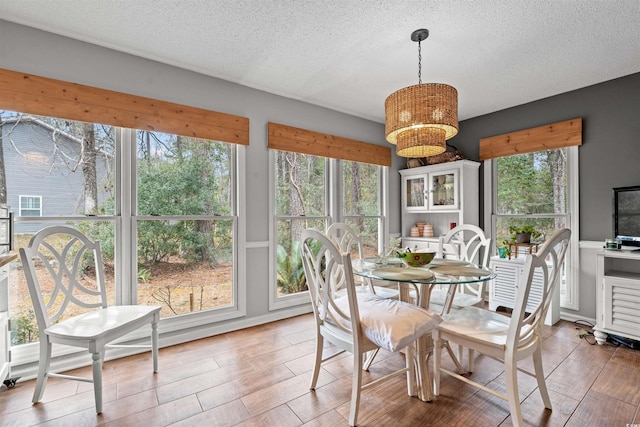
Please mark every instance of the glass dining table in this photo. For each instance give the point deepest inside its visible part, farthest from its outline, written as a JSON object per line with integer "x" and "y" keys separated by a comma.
{"x": 415, "y": 285}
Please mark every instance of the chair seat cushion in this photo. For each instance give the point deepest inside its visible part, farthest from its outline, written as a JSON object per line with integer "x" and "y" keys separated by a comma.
{"x": 391, "y": 324}
{"x": 95, "y": 323}
{"x": 480, "y": 325}
{"x": 460, "y": 299}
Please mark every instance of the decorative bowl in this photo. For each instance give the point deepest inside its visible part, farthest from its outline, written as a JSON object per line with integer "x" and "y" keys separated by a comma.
{"x": 416, "y": 259}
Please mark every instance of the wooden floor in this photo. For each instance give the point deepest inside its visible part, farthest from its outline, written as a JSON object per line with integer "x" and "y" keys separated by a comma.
{"x": 260, "y": 377}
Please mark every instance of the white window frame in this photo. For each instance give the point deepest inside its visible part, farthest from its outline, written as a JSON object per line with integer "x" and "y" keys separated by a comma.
{"x": 571, "y": 298}
{"x": 21, "y": 208}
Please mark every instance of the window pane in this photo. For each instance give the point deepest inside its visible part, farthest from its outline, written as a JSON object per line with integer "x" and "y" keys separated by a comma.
{"x": 24, "y": 328}
{"x": 63, "y": 167}
{"x": 545, "y": 226}
{"x": 533, "y": 183}
{"x": 360, "y": 184}
{"x": 185, "y": 266}
{"x": 300, "y": 184}
{"x": 183, "y": 176}
{"x": 290, "y": 273}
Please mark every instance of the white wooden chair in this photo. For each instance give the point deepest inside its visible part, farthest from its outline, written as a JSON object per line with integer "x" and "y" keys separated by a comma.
{"x": 65, "y": 274}
{"x": 349, "y": 241}
{"x": 358, "y": 322}
{"x": 508, "y": 339}
{"x": 467, "y": 243}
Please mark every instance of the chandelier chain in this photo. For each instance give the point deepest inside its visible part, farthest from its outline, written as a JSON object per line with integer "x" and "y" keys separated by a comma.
{"x": 419, "y": 63}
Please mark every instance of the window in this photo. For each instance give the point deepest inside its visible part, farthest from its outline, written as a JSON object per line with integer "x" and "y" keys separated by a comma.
{"x": 30, "y": 206}
{"x": 310, "y": 192}
{"x": 176, "y": 204}
{"x": 538, "y": 189}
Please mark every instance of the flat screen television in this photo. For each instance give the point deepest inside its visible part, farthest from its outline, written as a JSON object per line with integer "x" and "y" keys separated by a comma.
{"x": 626, "y": 216}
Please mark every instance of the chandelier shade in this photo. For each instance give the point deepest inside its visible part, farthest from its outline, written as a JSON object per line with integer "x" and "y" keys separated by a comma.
{"x": 421, "y": 142}
{"x": 420, "y": 118}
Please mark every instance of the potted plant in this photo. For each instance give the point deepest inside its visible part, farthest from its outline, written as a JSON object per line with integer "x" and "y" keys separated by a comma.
{"x": 523, "y": 233}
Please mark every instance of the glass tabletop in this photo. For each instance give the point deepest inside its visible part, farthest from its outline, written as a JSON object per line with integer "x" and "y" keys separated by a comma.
{"x": 439, "y": 272}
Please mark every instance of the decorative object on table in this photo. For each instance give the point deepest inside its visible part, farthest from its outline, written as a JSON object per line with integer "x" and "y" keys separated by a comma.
{"x": 523, "y": 234}
{"x": 612, "y": 244}
{"x": 420, "y": 225}
{"x": 401, "y": 273}
{"x": 428, "y": 230}
{"x": 416, "y": 259}
{"x": 419, "y": 119}
{"x": 503, "y": 251}
{"x": 415, "y": 232}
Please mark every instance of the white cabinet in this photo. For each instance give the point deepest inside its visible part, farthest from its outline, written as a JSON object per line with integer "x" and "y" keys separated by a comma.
{"x": 503, "y": 289}
{"x": 617, "y": 295}
{"x": 5, "y": 261}
{"x": 439, "y": 195}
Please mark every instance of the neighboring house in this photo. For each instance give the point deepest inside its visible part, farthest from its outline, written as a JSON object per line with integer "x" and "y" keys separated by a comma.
{"x": 43, "y": 174}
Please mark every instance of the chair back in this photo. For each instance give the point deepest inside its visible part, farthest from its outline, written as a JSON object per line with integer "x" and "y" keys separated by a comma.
{"x": 468, "y": 243}
{"x": 465, "y": 242}
{"x": 64, "y": 273}
{"x": 328, "y": 270}
{"x": 346, "y": 239}
{"x": 548, "y": 260}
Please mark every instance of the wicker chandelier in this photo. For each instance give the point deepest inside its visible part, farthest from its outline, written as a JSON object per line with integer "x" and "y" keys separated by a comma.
{"x": 419, "y": 119}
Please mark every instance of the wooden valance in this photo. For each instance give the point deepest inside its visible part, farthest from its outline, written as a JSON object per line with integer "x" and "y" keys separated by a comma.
{"x": 287, "y": 138}
{"x": 548, "y": 137}
{"x": 27, "y": 93}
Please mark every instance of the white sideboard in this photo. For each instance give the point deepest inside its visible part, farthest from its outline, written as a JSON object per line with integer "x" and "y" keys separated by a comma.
{"x": 503, "y": 289}
{"x": 5, "y": 339}
{"x": 617, "y": 294}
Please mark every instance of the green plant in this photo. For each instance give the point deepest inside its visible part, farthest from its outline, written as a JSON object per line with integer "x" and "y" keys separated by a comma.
{"x": 523, "y": 229}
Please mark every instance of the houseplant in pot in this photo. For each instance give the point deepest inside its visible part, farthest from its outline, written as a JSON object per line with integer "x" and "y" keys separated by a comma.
{"x": 523, "y": 233}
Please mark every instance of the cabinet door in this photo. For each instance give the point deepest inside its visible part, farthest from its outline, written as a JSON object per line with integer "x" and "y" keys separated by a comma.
{"x": 443, "y": 189}
{"x": 414, "y": 195}
{"x": 622, "y": 304}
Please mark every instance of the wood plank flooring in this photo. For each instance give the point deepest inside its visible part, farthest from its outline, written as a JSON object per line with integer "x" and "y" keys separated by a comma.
{"x": 260, "y": 377}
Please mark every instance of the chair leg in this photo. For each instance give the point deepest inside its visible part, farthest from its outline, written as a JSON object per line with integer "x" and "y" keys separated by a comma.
{"x": 542, "y": 385}
{"x": 461, "y": 354}
{"x": 369, "y": 358}
{"x": 471, "y": 355}
{"x": 437, "y": 353}
{"x": 154, "y": 345}
{"x": 97, "y": 380}
{"x": 410, "y": 363}
{"x": 355, "y": 388}
{"x": 511, "y": 377}
{"x": 318, "y": 361}
{"x": 43, "y": 368}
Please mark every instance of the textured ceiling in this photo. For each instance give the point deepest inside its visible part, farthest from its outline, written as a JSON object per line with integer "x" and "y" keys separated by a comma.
{"x": 349, "y": 55}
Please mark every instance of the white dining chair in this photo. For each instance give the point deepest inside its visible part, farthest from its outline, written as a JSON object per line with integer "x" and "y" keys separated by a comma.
{"x": 65, "y": 274}
{"x": 349, "y": 241}
{"x": 466, "y": 243}
{"x": 508, "y": 339}
{"x": 358, "y": 322}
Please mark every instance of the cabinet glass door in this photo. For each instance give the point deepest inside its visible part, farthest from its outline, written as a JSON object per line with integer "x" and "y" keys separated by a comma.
{"x": 415, "y": 193}
{"x": 444, "y": 190}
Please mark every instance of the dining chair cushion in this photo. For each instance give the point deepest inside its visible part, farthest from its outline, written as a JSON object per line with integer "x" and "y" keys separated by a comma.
{"x": 391, "y": 324}
{"x": 460, "y": 299}
{"x": 481, "y": 325}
